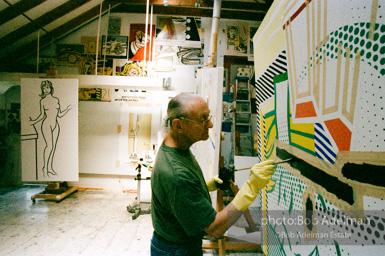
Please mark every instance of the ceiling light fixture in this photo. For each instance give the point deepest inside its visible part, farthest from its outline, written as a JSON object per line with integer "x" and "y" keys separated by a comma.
{"x": 165, "y": 2}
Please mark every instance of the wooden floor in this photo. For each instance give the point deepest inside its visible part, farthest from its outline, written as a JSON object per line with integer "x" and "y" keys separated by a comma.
{"x": 92, "y": 222}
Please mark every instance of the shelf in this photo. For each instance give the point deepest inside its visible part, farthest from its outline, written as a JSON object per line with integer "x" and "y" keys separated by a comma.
{"x": 243, "y": 107}
{"x": 243, "y": 118}
{"x": 242, "y": 78}
{"x": 243, "y": 128}
{"x": 243, "y": 94}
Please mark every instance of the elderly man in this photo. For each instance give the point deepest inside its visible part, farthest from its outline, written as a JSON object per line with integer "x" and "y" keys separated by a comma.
{"x": 182, "y": 211}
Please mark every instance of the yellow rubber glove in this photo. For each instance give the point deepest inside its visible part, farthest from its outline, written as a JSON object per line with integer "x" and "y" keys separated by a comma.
{"x": 212, "y": 183}
{"x": 260, "y": 175}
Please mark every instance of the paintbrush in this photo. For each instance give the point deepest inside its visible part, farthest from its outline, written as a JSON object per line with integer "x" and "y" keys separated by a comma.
{"x": 283, "y": 161}
{"x": 279, "y": 162}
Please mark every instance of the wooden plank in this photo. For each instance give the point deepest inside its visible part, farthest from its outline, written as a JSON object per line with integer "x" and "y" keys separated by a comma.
{"x": 231, "y": 245}
{"x": 237, "y": 245}
{"x": 82, "y": 189}
{"x": 56, "y": 197}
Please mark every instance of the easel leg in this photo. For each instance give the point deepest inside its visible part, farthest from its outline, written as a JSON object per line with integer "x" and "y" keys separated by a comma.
{"x": 221, "y": 241}
{"x": 222, "y": 246}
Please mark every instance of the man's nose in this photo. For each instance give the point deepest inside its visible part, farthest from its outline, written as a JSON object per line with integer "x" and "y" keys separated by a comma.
{"x": 210, "y": 124}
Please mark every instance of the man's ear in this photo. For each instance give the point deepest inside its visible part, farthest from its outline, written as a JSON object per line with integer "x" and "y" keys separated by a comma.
{"x": 177, "y": 125}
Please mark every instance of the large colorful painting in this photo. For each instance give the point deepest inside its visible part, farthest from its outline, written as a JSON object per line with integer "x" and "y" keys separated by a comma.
{"x": 320, "y": 95}
{"x": 130, "y": 68}
{"x": 178, "y": 31}
{"x": 49, "y": 129}
{"x": 178, "y": 41}
{"x": 139, "y": 49}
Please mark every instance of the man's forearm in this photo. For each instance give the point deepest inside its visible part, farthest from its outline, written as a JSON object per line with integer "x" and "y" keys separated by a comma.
{"x": 223, "y": 221}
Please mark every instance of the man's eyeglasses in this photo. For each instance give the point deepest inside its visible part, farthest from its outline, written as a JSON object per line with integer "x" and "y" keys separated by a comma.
{"x": 204, "y": 122}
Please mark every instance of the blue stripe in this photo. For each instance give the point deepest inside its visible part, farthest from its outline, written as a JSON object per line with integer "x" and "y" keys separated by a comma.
{"x": 318, "y": 149}
{"x": 321, "y": 134}
{"x": 320, "y": 126}
{"x": 331, "y": 151}
{"x": 318, "y": 141}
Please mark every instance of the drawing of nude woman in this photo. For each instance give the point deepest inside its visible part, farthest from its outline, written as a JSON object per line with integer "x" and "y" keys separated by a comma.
{"x": 50, "y": 111}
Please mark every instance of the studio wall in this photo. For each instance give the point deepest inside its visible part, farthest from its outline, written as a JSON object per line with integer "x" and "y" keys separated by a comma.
{"x": 128, "y": 130}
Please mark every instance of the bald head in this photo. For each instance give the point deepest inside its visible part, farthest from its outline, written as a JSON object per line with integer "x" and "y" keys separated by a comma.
{"x": 180, "y": 105}
{"x": 188, "y": 121}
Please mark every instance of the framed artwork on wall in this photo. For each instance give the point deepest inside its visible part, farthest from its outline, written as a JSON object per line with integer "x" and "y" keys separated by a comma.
{"x": 114, "y": 46}
{"x": 237, "y": 38}
{"x": 69, "y": 54}
{"x": 139, "y": 49}
{"x": 90, "y": 43}
{"x": 114, "y": 25}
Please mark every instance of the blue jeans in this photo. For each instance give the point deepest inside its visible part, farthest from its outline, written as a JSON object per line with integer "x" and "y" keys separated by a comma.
{"x": 160, "y": 247}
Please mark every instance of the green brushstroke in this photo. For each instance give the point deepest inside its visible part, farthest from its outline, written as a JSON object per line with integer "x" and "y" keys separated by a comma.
{"x": 338, "y": 251}
{"x": 303, "y": 134}
{"x": 322, "y": 201}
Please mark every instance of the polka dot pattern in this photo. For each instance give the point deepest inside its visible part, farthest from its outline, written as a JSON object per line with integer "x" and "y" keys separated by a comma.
{"x": 359, "y": 39}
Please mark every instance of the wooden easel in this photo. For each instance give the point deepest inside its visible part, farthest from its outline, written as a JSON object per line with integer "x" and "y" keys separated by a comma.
{"x": 55, "y": 191}
{"x": 223, "y": 244}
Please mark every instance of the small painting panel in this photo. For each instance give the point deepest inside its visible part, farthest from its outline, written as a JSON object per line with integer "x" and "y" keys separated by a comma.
{"x": 69, "y": 54}
{"x": 114, "y": 24}
{"x": 114, "y": 46}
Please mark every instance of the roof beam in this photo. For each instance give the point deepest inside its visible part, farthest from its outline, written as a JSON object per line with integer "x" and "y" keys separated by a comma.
{"x": 190, "y": 11}
{"x": 40, "y": 22}
{"x": 180, "y": 3}
{"x": 17, "y": 9}
{"x": 61, "y": 31}
{"x": 233, "y": 5}
{"x": 163, "y": 10}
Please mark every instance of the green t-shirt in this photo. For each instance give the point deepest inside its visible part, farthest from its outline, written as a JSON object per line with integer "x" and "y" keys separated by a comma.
{"x": 181, "y": 204}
